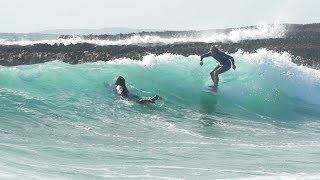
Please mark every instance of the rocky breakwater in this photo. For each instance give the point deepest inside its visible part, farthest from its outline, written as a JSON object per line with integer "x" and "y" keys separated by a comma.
{"x": 301, "y": 41}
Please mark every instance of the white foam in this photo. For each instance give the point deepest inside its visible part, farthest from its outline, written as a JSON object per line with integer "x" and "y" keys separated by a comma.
{"x": 287, "y": 176}
{"x": 261, "y": 31}
{"x": 150, "y": 60}
{"x": 278, "y": 69}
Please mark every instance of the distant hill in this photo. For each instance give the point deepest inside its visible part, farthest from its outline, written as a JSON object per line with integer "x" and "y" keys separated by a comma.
{"x": 110, "y": 31}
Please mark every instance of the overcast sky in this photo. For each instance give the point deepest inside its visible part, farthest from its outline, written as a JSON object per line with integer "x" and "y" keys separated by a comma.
{"x": 37, "y": 15}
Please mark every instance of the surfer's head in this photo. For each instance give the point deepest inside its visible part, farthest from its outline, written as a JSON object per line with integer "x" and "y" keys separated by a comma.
{"x": 214, "y": 50}
{"x": 120, "y": 81}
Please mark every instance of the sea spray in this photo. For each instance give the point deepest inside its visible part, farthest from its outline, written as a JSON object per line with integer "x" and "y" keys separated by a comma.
{"x": 261, "y": 31}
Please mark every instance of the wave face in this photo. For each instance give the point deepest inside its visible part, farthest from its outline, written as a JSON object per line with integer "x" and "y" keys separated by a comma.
{"x": 261, "y": 31}
{"x": 64, "y": 121}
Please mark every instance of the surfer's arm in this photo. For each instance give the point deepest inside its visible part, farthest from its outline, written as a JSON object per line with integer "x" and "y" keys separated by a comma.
{"x": 122, "y": 94}
{"x": 204, "y": 56}
{"x": 121, "y": 91}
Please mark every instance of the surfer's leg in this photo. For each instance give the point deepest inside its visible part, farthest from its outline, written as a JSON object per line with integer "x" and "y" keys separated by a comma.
{"x": 216, "y": 77}
{"x": 223, "y": 68}
{"x": 149, "y": 100}
{"x": 212, "y": 73}
{"x": 144, "y": 101}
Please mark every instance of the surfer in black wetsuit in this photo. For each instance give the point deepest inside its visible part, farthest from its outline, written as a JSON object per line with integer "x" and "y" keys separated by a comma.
{"x": 226, "y": 62}
{"x": 122, "y": 90}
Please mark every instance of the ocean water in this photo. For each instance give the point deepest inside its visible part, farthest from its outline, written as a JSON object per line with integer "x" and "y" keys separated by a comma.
{"x": 61, "y": 121}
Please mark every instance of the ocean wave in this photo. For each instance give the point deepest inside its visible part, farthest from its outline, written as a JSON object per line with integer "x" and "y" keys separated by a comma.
{"x": 65, "y": 120}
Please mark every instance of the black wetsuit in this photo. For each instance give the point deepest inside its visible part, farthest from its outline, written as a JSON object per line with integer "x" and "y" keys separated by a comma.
{"x": 224, "y": 60}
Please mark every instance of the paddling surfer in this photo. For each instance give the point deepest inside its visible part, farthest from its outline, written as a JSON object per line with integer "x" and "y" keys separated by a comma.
{"x": 122, "y": 90}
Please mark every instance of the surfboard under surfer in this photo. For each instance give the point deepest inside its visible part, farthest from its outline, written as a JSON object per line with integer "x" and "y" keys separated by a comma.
{"x": 225, "y": 63}
{"x": 122, "y": 90}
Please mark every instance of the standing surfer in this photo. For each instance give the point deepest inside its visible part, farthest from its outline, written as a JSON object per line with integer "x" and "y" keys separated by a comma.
{"x": 225, "y": 63}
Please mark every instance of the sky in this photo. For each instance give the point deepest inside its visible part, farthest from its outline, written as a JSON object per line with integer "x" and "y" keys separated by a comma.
{"x": 38, "y": 15}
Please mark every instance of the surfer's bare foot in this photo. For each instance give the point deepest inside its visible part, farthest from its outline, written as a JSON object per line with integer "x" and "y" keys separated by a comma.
{"x": 156, "y": 97}
{"x": 214, "y": 88}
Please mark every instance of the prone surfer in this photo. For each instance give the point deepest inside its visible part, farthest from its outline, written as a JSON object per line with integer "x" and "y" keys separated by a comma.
{"x": 225, "y": 63}
{"x": 122, "y": 90}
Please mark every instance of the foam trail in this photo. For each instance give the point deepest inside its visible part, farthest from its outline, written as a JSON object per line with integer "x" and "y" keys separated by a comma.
{"x": 261, "y": 31}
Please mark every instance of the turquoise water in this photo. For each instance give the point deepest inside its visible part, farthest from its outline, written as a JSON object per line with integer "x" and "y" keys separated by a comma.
{"x": 64, "y": 121}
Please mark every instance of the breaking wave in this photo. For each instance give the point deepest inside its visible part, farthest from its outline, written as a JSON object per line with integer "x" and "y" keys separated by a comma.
{"x": 261, "y": 31}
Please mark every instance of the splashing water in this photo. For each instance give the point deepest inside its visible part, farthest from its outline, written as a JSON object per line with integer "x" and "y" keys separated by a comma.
{"x": 261, "y": 31}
